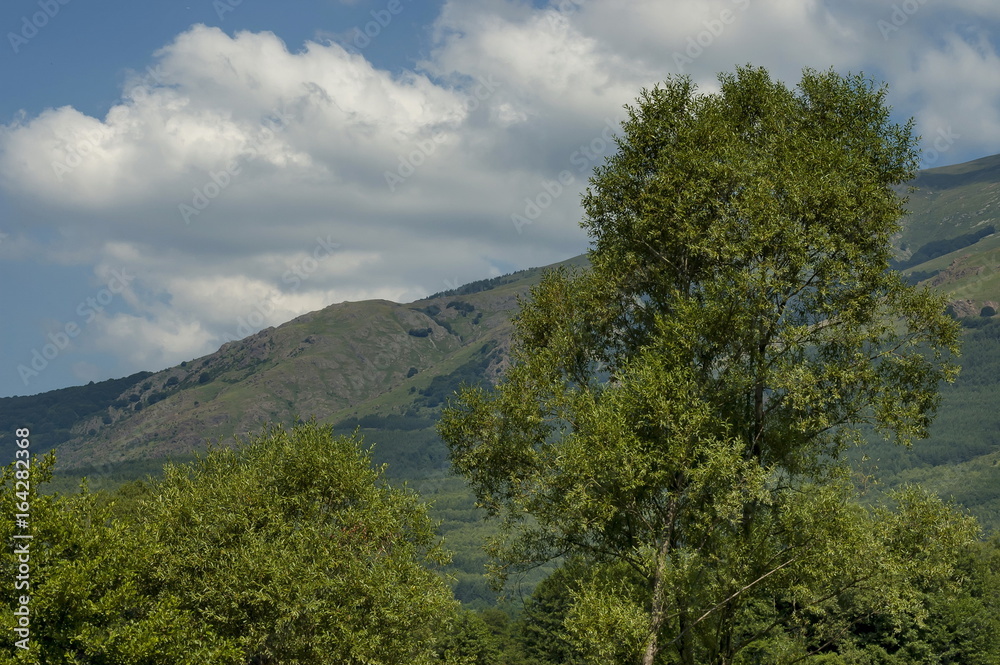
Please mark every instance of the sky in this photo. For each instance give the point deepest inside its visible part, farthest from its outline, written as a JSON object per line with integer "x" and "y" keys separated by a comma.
{"x": 176, "y": 175}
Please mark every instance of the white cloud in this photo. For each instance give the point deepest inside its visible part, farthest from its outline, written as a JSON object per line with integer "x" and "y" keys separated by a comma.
{"x": 275, "y": 151}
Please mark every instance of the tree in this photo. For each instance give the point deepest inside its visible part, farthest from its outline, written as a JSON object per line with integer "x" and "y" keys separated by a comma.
{"x": 541, "y": 627}
{"x": 470, "y": 642}
{"x": 289, "y": 549}
{"x": 675, "y": 415}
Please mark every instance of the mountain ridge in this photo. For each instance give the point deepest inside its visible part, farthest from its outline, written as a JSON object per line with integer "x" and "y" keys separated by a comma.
{"x": 387, "y": 367}
{"x": 322, "y": 364}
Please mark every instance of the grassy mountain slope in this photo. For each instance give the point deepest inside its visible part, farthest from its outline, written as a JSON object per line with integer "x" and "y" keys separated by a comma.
{"x": 949, "y": 244}
{"x": 381, "y": 367}
{"x": 386, "y": 367}
{"x": 951, "y": 201}
{"x": 949, "y": 241}
{"x": 348, "y": 360}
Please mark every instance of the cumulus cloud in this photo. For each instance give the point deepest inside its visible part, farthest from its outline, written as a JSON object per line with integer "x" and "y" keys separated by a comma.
{"x": 230, "y": 163}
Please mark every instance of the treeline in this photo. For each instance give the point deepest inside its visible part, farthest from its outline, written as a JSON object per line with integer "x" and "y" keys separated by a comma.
{"x": 53, "y": 414}
{"x": 478, "y": 286}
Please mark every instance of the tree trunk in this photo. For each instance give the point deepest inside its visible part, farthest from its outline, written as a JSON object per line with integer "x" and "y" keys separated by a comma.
{"x": 657, "y": 610}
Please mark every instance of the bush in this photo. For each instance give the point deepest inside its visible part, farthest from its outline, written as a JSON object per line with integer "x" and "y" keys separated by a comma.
{"x": 462, "y": 307}
{"x": 430, "y": 310}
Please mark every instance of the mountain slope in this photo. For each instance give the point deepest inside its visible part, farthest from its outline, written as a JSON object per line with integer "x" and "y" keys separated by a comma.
{"x": 387, "y": 367}
{"x": 347, "y": 360}
{"x": 952, "y": 200}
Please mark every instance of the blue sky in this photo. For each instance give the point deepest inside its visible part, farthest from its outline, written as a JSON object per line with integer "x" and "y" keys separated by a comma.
{"x": 174, "y": 175}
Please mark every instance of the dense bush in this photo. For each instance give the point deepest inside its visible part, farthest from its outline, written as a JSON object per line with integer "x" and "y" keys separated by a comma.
{"x": 462, "y": 307}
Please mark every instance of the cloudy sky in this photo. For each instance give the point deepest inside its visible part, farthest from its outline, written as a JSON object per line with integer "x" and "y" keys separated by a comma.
{"x": 177, "y": 174}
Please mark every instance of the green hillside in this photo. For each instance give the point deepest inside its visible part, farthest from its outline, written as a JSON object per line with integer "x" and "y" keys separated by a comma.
{"x": 348, "y": 360}
{"x": 950, "y": 201}
{"x": 386, "y": 369}
{"x": 382, "y": 368}
{"x": 949, "y": 244}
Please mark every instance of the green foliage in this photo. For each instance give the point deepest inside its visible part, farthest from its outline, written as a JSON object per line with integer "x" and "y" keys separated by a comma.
{"x": 289, "y": 549}
{"x": 541, "y": 628}
{"x": 959, "y": 459}
{"x": 462, "y": 307}
{"x": 676, "y": 416}
{"x": 52, "y": 414}
{"x": 471, "y": 373}
{"x": 477, "y": 286}
{"x": 470, "y": 642}
{"x": 936, "y": 248}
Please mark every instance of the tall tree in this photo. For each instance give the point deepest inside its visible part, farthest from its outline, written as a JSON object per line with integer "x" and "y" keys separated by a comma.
{"x": 676, "y": 414}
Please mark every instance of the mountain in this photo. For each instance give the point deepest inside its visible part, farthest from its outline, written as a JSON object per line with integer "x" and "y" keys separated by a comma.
{"x": 949, "y": 244}
{"x": 379, "y": 367}
{"x": 949, "y": 241}
{"x": 344, "y": 363}
{"x": 386, "y": 367}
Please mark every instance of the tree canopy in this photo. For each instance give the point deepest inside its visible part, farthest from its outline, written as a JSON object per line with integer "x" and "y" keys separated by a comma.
{"x": 287, "y": 549}
{"x": 675, "y": 416}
